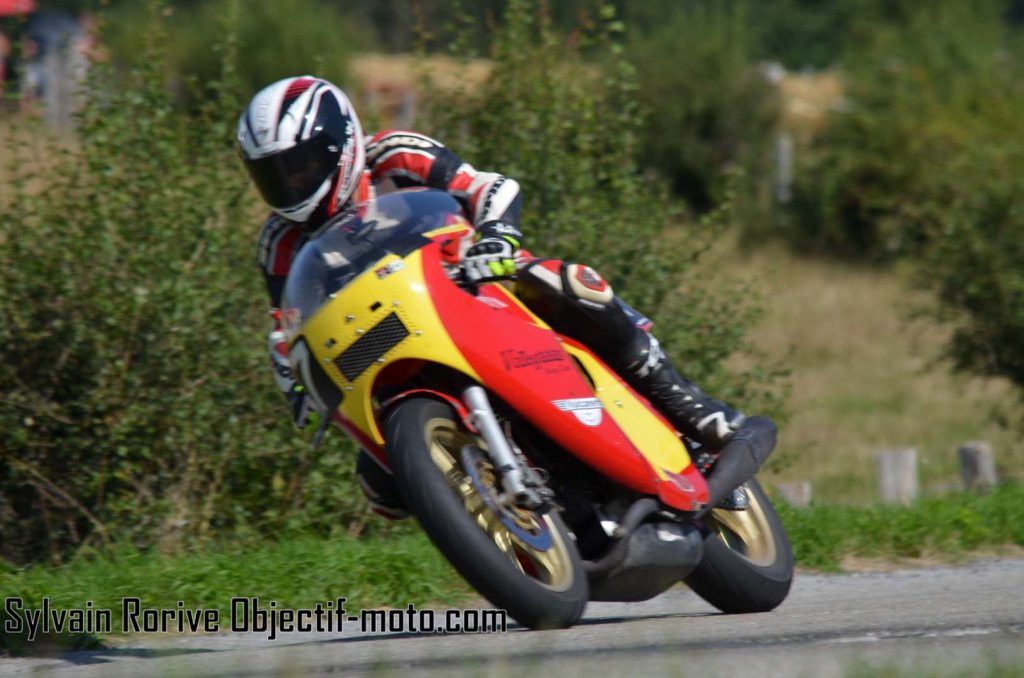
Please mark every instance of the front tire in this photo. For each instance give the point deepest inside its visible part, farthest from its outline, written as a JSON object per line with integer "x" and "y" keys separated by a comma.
{"x": 520, "y": 561}
{"x": 748, "y": 562}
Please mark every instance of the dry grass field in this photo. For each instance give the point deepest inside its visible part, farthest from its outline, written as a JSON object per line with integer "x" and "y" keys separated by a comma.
{"x": 865, "y": 377}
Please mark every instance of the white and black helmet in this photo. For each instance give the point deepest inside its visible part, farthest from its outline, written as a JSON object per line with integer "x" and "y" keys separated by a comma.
{"x": 303, "y": 146}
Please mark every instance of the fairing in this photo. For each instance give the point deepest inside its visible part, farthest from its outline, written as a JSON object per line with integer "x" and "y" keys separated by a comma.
{"x": 383, "y": 268}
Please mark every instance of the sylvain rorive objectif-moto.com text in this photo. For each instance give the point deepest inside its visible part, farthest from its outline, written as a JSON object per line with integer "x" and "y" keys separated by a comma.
{"x": 247, "y": 615}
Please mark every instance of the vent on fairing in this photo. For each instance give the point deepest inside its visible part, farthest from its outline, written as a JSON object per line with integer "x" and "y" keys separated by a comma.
{"x": 381, "y": 338}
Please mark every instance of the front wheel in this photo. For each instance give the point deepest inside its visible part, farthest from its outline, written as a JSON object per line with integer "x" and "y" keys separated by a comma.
{"x": 748, "y": 563}
{"x": 524, "y": 562}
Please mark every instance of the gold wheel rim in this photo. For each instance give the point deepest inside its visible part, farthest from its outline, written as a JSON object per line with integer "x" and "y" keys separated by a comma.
{"x": 551, "y": 568}
{"x": 747, "y": 532}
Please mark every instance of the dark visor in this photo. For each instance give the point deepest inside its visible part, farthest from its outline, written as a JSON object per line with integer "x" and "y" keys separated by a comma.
{"x": 288, "y": 178}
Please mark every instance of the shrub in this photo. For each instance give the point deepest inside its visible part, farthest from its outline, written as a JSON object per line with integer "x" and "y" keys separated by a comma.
{"x": 274, "y": 39}
{"x": 923, "y": 89}
{"x": 710, "y": 107}
{"x": 134, "y": 395}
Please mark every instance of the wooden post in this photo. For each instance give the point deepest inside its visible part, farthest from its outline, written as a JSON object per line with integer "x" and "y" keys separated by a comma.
{"x": 797, "y": 493}
{"x": 897, "y": 475}
{"x": 784, "y": 167}
{"x": 977, "y": 466}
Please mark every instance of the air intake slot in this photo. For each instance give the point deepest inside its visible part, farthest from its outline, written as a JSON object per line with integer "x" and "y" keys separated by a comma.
{"x": 383, "y": 337}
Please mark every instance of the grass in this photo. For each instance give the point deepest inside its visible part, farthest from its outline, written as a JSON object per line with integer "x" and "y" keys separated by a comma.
{"x": 865, "y": 377}
{"x": 296, "y": 573}
{"x": 824, "y": 536}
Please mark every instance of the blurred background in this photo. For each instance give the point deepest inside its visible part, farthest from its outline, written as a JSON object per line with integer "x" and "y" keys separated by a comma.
{"x": 816, "y": 201}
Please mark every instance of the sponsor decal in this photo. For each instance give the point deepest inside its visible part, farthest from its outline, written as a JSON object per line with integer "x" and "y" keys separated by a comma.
{"x": 393, "y": 267}
{"x": 506, "y": 229}
{"x": 586, "y": 410}
{"x": 491, "y": 192}
{"x": 550, "y": 361}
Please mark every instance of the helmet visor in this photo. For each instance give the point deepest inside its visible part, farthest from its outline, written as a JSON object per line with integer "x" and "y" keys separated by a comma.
{"x": 288, "y": 178}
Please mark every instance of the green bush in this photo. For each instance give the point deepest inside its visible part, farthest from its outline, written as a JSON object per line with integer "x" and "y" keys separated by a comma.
{"x": 135, "y": 399}
{"x": 711, "y": 109}
{"x": 274, "y": 39}
{"x": 925, "y": 89}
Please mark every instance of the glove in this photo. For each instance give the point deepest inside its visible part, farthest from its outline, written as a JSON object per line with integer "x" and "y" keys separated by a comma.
{"x": 301, "y": 405}
{"x": 298, "y": 399}
{"x": 490, "y": 259}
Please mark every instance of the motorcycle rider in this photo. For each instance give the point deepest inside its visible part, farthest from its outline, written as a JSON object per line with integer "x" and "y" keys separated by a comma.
{"x": 302, "y": 144}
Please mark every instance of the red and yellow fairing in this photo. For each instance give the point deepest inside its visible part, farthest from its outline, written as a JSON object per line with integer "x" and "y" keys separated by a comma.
{"x": 496, "y": 341}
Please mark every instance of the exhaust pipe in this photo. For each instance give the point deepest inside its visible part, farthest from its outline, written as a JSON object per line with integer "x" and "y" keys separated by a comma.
{"x": 615, "y": 555}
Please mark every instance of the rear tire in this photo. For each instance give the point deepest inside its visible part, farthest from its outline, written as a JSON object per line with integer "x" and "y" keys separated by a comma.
{"x": 748, "y": 562}
{"x": 538, "y": 587}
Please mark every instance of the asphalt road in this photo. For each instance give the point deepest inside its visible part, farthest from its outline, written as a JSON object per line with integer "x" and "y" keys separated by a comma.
{"x": 944, "y": 621}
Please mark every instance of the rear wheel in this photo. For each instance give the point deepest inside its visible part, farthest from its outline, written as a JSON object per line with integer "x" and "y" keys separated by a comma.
{"x": 748, "y": 562}
{"x": 519, "y": 560}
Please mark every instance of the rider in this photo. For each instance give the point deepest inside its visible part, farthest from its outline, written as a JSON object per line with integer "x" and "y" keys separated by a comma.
{"x": 303, "y": 146}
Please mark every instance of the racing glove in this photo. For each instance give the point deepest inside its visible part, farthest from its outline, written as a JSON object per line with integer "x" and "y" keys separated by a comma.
{"x": 493, "y": 256}
{"x": 302, "y": 407}
{"x": 298, "y": 399}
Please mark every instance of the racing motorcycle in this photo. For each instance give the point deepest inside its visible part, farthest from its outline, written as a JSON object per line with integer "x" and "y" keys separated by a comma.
{"x": 543, "y": 478}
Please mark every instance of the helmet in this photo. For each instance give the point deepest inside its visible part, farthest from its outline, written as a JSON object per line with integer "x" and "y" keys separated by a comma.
{"x": 302, "y": 144}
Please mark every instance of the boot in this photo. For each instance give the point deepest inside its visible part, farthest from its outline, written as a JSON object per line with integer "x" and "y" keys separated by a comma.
{"x": 741, "y": 458}
{"x": 702, "y": 418}
{"x": 743, "y": 444}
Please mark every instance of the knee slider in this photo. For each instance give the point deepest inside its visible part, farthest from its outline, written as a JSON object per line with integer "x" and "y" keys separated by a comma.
{"x": 587, "y": 285}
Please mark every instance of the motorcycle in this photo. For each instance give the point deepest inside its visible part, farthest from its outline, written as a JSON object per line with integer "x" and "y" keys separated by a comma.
{"x": 544, "y": 479}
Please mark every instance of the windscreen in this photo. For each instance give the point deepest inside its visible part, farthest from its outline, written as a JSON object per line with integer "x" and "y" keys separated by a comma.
{"x": 392, "y": 224}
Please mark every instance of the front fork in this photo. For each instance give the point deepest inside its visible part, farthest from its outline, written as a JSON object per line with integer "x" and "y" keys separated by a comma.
{"x": 522, "y": 486}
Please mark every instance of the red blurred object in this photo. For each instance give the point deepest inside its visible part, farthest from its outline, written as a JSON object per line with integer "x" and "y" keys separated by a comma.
{"x": 16, "y": 7}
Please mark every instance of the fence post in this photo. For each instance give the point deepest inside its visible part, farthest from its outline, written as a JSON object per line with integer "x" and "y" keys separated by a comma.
{"x": 897, "y": 475}
{"x": 977, "y": 466}
{"x": 797, "y": 493}
{"x": 784, "y": 167}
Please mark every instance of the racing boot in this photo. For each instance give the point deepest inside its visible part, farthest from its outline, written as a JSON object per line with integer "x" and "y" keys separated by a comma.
{"x": 743, "y": 443}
